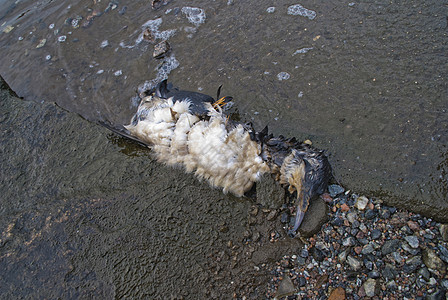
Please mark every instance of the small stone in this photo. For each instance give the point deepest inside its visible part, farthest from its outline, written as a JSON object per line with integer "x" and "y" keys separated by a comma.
{"x": 385, "y": 214}
{"x": 397, "y": 257}
{"x": 443, "y": 253}
{"x": 345, "y": 207}
{"x": 335, "y": 190}
{"x": 391, "y": 285}
{"x": 424, "y": 273}
{"x": 304, "y": 253}
{"x": 432, "y": 261}
{"x": 444, "y": 284}
{"x": 412, "y": 241}
{"x": 354, "y": 263}
{"x": 315, "y": 217}
{"x": 374, "y": 274}
{"x": 337, "y": 294}
{"x": 256, "y": 237}
{"x": 375, "y": 234}
{"x": 367, "y": 249}
{"x": 390, "y": 246}
{"x": 371, "y": 214}
{"x": 371, "y": 287}
{"x": 343, "y": 255}
{"x": 413, "y": 225}
{"x": 444, "y": 232}
{"x": 302, "y": 281}
{"x": 336, "y": 222}
{"x": 285, "y": 288}
{"x": 351, "y": 217}
{"x": 361, "y": 202}
{"x": 271, "y": 216}
{"x": 161, "y": 49}
{"x": 389, "y": 272}
{"x": 437, "y": 295}
{"x": 349, "y": 241}
{"x": 406, "y": 247}
{"x": 412, "y": 264}
{"x": 284, "y": 218}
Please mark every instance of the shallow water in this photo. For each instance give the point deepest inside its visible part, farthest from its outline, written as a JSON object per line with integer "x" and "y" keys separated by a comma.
{"x": 367, "y": 81}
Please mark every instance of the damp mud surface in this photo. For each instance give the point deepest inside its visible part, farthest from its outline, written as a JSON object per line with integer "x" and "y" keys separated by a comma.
{"x": 87, "y": 214}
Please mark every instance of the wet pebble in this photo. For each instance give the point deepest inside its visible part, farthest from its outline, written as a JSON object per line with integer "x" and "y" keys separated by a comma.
{"x": 412, "y": 241}
{"x": 361, "y": 202}
{"x": 335, "y": 190}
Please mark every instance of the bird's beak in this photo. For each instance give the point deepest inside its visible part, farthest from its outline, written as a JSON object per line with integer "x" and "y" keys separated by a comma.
{"x": 302, "y": 207}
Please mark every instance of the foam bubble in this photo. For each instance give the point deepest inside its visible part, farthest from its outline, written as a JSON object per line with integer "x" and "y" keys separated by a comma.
{"x": 303, "y": 50}
{"x": 299, "y": 10}
{"x": 194, "y": 15}
{"x": 283, "y": 76}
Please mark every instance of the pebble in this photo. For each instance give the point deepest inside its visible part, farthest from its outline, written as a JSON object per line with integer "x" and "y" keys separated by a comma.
{"x": 412, "y": 241}
{"x": 361, "y": 202}
{"x": 375, "y": 234}
{"x": 335, "y": 190}
{"x": 444, "y": 232}
{"x": 432, "y": 261}
{"x": 370, "y": 287}
{"x": 354, "y": 263}
{"x": 390, "y": 246}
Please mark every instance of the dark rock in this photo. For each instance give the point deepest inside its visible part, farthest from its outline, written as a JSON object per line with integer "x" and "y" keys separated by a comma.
{"x": 270, "y": 193}
{"x": 284, "y": 218}
{"x": 301, "y": 261}
{"x": 390, "y": 246}
{"x": 285, "y": 288}
{"x": 368, "y": 264}
{"x": 374, "y": 274}
{"x": 337, "y": 221}
{"x": 371, "y": 214}
{"x": 302, "y": 281}
{"x": 444, "y": 283}
{"x": 367, "y": 249}
{"x": 437, "y": 295}
{"x": 389, "y": 272}
{"x": 424, "y": 273}
{"x": 412, "y": 264}
{"x": 317, "y": 254}
{"x": 375, "y": 234}
{"x": 385, "y": 214}
{"x": 443, "y": 253}
{"x": 335, "y": 190}
{"x": 406, "y": 247}
{"x": 444, "y": 232}
{"x": 349, "y": 241}
{"x": 304, "y": 253}
{"x": 412, "y": 241}
{"x": 315, "y": 217}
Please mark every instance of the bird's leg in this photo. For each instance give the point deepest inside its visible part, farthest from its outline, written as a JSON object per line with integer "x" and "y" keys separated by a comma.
{"x": 221, "y": 102}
